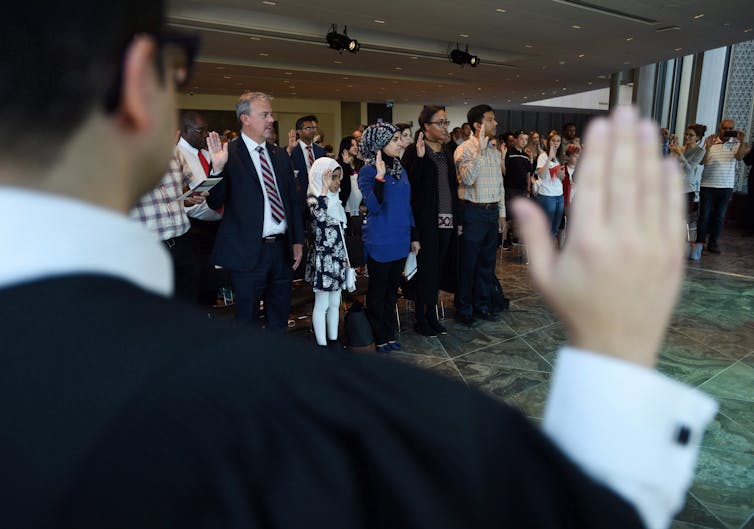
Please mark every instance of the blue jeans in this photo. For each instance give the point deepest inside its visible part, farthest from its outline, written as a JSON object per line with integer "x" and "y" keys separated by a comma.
{"x": 713, "y": 203}
{"x": 477, "y": 253}
{"x": 553, "y": 208}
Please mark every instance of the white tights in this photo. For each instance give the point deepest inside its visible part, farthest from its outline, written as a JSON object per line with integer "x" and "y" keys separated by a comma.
{"x": 326, "y": 304}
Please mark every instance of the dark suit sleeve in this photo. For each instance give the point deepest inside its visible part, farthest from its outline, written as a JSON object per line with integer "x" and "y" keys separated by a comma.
{"x": 289, "y": 437}
{"x": 749, "y": 158}
{"x": 297, "y": 198}
{"x": 217, "y": 194}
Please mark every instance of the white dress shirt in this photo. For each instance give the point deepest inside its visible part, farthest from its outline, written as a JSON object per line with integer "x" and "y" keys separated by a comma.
{"x": 191, "y": 154}
{"x": 270, "y": 226}
{"x": 628, "y": 427}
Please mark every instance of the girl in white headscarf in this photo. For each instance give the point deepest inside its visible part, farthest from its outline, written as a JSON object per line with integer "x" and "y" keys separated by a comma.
{"x": 326, "y": 268}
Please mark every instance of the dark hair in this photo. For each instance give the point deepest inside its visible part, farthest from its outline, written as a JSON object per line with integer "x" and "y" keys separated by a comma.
{"x": 425, "y": 116}
{"x": 518, "y": 133}
{"x": 345, "y": 144}
{"x": 699, "y": 130}
{"x": 189, "y": 117}
{"x": 455, "y": 129}
{"x": 569, "y": 124}
{"x": 54, "y": 75}
{"x": 402, "y": 126}
{"x": 476, "y": 114}
{"x": 464, "y": 124}
{"x": 328, "y": 148}
{"x": 300, "y": 121}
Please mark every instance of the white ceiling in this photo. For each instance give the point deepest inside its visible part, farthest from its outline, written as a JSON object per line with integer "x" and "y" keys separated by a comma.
{"x": 529, "y": 50}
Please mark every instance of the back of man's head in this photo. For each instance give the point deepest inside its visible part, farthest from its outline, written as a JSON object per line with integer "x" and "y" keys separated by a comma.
{"x": 60, "y": 62}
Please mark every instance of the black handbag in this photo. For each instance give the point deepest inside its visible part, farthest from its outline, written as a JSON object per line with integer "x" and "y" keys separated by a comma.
{"x": 359, "y": 334}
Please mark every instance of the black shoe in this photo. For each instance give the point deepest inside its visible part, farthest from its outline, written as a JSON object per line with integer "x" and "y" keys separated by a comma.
{"x": 507, "y": 245}
{"x": 424, "y": 328}
{"x": 335, "y": 345}
{"x": 486, "y": 316}
{"x": 437, "y": 326}
{"x": 714, "y": 249}
{"x": 468, "y": 321}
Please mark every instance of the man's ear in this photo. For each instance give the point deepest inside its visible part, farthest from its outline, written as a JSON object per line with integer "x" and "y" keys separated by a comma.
{"x": 138, "y": 73}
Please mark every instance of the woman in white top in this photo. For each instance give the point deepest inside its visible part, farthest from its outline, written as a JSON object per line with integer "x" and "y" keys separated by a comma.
{"x": 548, "y": 183}
{"x": 690, "y": 155}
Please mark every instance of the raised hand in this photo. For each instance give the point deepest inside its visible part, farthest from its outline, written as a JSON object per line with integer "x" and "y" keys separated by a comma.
{"x": 616, "y": 282}
{"x": 482, "y": 137}
{"x": 326, "y": 181}
{"x": 421, "y": 146}
{"x": 380, "y": 165}
{"x": 709, "y": 141}
{"x": 292, "y": 141}
{"x": 218, "y": 151}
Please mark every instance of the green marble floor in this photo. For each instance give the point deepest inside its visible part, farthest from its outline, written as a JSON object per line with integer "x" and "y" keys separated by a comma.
{"x": 710, "y": 345}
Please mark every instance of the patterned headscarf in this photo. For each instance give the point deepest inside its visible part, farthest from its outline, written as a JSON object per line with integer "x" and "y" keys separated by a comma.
{"x": 374, "y": 138}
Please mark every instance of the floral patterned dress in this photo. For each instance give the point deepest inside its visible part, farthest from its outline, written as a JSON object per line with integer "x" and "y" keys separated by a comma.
{"x": 326, "y": 266}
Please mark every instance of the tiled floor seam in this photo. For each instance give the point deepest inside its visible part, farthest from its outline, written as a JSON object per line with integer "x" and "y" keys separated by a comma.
{"x": 699, "y": 386}
{"x": 715, "y": 516}
{"x": 749, "y": 519}
{"x": 537, "y": 352}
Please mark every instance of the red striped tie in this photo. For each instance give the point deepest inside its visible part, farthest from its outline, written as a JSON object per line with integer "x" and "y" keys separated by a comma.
{"x": 276, "y": 205}
{"x": 311, "y": 155}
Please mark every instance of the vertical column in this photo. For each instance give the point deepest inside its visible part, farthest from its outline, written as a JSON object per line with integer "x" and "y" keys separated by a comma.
{"x": 645, "y": 79}
{"x": 739, "y": 95}
{"x": 615, "y": 80}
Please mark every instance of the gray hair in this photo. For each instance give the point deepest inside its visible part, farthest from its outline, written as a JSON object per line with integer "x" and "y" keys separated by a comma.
{"x": 246, "y": 99}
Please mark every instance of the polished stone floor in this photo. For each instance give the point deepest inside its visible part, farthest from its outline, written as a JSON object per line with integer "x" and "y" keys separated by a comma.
{"x": 710, "y": 345}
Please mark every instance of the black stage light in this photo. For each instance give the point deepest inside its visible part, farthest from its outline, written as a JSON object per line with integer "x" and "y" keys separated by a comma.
{"x": 341, "y": 41}
{"x": 463, "y": 57}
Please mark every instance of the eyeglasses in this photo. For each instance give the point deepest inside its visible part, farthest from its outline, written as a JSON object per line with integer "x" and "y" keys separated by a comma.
{"x": 309, "y": 128}
{"x": 176, "y": 52}
{"x": 689, "y": 134}
{"x": 440, "y": 123}
{"x": 202, "y": 130}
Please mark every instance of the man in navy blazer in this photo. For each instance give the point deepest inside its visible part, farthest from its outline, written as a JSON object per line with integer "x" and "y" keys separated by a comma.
{"x": 304, "y": 151}
{"x": 262, "y": 226}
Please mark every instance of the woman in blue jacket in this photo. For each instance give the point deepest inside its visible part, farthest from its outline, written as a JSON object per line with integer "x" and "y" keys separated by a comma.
{"x": 388, "y": 235}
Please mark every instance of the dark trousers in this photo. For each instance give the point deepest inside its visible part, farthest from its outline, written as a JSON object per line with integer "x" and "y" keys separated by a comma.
{"x": 209, "y": 279}
{"x": 270, "y": 281}
{"x": 430, "y": 268}
{"x": 184, "y": 268}
{"x": 510, "y": 196}
{"x": 382, "y": 294}
{"x": 553, "y": 208}
{"x": 750, "y": 206}
{"x": 713, "y": 203}
{"x": 478, "y": 249}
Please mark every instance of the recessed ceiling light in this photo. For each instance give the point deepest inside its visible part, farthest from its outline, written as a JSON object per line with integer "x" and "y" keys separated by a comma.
{"x": 576, "y": 26}
{"x": 501, "y": 10}
{"x": 292, "y": 87}
{"x": 377, "y": 20}
{"x": 263, "y": 54}
{"x": 678, "y": 49}
{"x": 398, "y": 68}
{"x": 479, "y": 89}
{"x": 338, "y": 62}
{"x": 747, "y": 30}
{"x": 345, "y": 78}
{"x": 518, "y": 75}
{"x": 450, "y": 73}
{"x": 395, "y": 82}
{"x": 526, "y": 97}
{"x": 509, "y": 101}
{"x": 629, "y": 39}
{"x": 293, "y": 94}
{"x": 285, "y": 81}
{"x": 255, "y": 38}
{"x": 507, "y": 78}
{"x": 349, "y": 86}
{"x": 581, "y": 55}
{"x": 337, "y": 89}
{"x": 627, "y": 62}
{"x": 561, "y": 63}
{"x": 544, "y": 93}
{"x": 464, "y": 35}
{"x": 564, "y": 88}
{"x": 697, "y": 17}
{"x": 557, "y": 80}
{"x": 589, "y": 83}
{"x": 528, "y": 46}
{"x": 219, "y": 67}
{"x": 227, "y": 77}
{"x": 414, "y": 57}
{"x": 269, "y": 3}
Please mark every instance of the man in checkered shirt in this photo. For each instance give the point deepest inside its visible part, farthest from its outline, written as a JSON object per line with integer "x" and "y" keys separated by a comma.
{"x": 162, "y": 213}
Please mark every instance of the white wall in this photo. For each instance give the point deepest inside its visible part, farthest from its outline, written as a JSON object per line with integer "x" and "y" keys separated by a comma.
{"x": 710, "y": 88}
{"x": 598, "y": 99}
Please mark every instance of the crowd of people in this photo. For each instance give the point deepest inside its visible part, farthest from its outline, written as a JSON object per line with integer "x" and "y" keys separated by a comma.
{"x": 444, "y": 200}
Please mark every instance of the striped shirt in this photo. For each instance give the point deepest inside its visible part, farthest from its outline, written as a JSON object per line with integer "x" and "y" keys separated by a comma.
{"x": 720, "y": 167}
{"x": 480, "y": 178}
{"x": 160, "y": 211}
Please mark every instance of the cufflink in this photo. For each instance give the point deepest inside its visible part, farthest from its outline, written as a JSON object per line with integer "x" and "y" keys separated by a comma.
{"x": 683, "y": 435}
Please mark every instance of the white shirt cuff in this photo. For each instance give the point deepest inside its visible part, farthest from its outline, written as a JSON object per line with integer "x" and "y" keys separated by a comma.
{"x": 628, "y": 427}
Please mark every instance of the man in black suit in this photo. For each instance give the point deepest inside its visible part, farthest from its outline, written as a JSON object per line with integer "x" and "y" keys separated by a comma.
{"x": 262, "y": 226}
{"x": 123, "y": 409}
{"x": 304, "y": 151}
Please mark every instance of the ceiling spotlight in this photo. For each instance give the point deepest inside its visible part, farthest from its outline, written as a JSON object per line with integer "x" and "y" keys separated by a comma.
{"x": 341, "y": 41}
{"x": 463, "y": 57}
